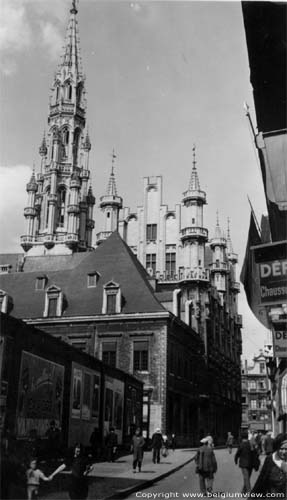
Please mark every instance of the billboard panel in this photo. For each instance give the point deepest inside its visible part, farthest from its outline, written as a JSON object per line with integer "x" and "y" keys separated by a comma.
{"x": 40, "y": 395}
{"x": 280, "y": 340}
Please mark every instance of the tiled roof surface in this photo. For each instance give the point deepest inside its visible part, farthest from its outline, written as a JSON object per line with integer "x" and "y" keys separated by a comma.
{"x": 113, "y": 260}
{"x": 11, "y": 259}
{"x": 53, "y": 263}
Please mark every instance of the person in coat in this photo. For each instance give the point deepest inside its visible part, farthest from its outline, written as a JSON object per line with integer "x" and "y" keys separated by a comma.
{"x": 206, "y": 465}
{"x": 245, "y": 456}
{"x": 78, "y": 482}
{"x": 229, "y": 442}
{"x": 268, "y": 444}
{"x": 111, "y": 444}
{"x": 156, "y": 444}
{"x": 137, "y": 446}
{"x": 272, "y": 479}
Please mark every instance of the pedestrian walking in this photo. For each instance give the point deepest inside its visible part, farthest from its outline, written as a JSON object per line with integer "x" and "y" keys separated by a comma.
{"x": 229, "y": 442}
{"x": 206, "y": 465}
{"x": 164, "y": 450}
{"x": 94, "y": 442}
{"x": 53, "y": 435}
{"x": 33, "y": 475}
{"x": 78, "y": 487}
{"x": 173, "y": 442}
{"x": 246, "y": 456}
{"x": 269, "y": 443}
{"x": 137, "y": 446}
{"x": 156, "y": 444}
{"x": 111, "y": 445}
{"x": 272, "y": 480}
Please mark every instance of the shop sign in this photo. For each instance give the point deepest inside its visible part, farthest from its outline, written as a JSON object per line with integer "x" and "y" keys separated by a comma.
{"x": 273, "y": 281}
{"x": 280, "y": 342}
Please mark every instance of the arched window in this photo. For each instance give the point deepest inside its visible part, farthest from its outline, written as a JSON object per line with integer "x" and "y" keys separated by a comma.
{"x": 65, "y": 142}
{"x": 57, "y": 94}
{"x": 76, "y": 145}
{"x": 47, "y": 207}
{"x": 69, "y": 92}
{"x": 61, "y": 206}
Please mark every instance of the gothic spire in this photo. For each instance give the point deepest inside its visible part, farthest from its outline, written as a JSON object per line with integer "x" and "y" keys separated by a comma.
{"x": 112, "y": 188}
{"x": 229, "y": 242}
{"x": 218, "y": 233}
{"x": 194, "y": 180}
{"x": 71, "y": 59}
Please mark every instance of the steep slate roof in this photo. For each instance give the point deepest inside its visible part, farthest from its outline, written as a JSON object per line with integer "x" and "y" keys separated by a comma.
{"x": 112, "y": 260}
{"x": 53, "y": 263}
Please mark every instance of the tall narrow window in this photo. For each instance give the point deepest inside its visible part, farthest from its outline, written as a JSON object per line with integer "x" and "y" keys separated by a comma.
{"x": 57, "y": 93}
{"x": 47, "y": 208}
{"x": 170, "y": 263}
{"x": 151, "y": 261}
{"x": 52, "y": 307}
{"x": 61, "y": 206}
{"x": 111, "y": 302}
{"x": 141, "y": 355}
{"x": 151, "y": 232}
{"x": 109, "y": 353}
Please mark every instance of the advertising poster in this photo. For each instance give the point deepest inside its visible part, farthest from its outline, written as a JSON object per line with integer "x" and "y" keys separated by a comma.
{"x": 114, "y": 398}
{"x": 40, "y": 396}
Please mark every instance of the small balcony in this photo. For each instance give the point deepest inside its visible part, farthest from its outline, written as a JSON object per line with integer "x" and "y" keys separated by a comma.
{"x": 235, "y": 286}
{"x": 219, "y": 267}
{"x": 26, "y": 242}
{"x": 196, "y": 274}
{"x": 194, "y": 232}
{"x": 238, "y": 319}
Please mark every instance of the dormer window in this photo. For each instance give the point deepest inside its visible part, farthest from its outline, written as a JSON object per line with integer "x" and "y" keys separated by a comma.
{"x": 111, "y": 298}
{"x": 93, "y": 279}
{"x": 41, "y": 282}
{"x": 53, "y": 302}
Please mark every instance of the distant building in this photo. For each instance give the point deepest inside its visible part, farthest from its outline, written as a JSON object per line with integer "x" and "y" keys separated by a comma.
{"x": 256, "y": 397}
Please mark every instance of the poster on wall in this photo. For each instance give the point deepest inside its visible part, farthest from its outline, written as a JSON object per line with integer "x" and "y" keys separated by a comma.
{"x": 114, "y": 398}
{"x": 96, "y": 398}
{"x": 40, "y": 395}
{"x": 77, "y": 392}
{"x": 86, "y": 408}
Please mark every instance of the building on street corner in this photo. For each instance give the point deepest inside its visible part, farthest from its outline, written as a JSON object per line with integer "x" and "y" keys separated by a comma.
{"x": 256, "y": 400}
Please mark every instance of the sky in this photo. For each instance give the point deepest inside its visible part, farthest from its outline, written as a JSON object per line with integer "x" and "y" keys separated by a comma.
{"x": 160, "y": 77}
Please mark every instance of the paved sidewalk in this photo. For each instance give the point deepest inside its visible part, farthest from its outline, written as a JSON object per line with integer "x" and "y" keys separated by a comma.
{"x": 117, "y": 480}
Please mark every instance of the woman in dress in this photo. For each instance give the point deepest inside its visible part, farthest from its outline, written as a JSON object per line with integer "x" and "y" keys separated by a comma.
{"x": 273, "y": 475}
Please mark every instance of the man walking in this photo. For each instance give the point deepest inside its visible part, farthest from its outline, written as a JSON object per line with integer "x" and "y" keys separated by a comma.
{"x": 156, "y": 444}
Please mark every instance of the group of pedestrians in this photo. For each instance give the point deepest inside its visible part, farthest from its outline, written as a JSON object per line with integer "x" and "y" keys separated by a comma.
{"x": 272, "y": 478}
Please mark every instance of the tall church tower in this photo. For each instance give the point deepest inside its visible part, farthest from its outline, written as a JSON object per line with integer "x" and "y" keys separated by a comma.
{"x": 110, "y": 205}
{"x": 59, "y": 214}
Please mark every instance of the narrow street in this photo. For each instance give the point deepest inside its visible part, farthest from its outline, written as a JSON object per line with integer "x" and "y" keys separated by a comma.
{"x": 228, "y": 480}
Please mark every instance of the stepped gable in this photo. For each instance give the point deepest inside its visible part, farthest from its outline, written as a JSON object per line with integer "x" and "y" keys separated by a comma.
{"x": 112, "y": 260}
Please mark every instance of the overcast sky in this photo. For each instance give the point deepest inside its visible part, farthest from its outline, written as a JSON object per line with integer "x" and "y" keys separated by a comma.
{"x": 161, "y": 76}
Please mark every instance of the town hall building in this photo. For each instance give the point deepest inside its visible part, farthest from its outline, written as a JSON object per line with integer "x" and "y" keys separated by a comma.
{"x": 156, "y": 296}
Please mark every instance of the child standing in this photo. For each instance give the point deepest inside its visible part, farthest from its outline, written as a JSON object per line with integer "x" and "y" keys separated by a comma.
{"x": 33, "y": 479}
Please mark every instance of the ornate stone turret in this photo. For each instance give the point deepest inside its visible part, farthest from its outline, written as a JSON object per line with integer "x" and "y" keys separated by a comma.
{"x": 110, "y": 205}
{"x": 63, "y": 224}
{"x": 219, "y": 266}
{"x": 193, "y": 235}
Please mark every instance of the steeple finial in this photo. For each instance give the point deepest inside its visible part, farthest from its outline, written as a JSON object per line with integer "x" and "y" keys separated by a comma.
{"x": 112, "y": 188}
{"x": 194, "y": 160}
{"x": 74, "y": 10}
{"x": 194, "y": 181}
